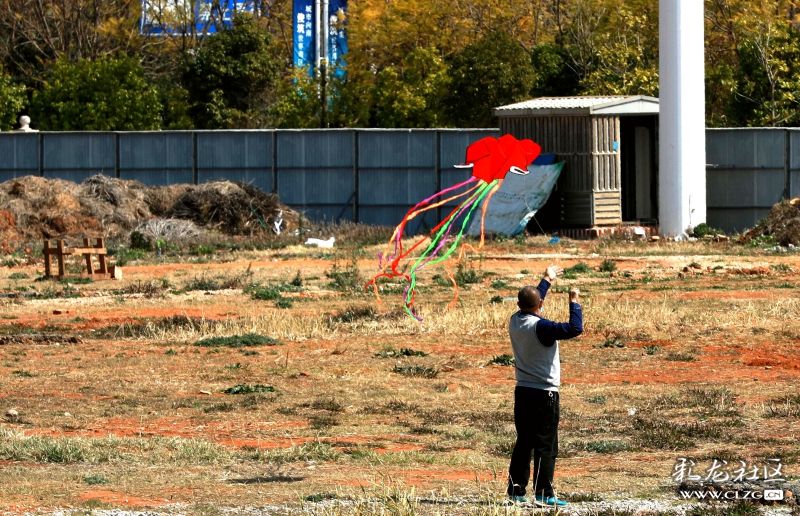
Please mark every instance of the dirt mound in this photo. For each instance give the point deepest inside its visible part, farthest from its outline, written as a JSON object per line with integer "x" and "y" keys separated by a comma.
{"x": 35, "y": 207}
{"x": 782, "y": 224}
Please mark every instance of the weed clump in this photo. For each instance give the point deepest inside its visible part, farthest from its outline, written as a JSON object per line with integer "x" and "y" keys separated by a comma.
{"x": 249, "y": 389}
{"x": 503, "y": 360}
{"x": 608, "y": 266}
{"x": 237, "y": 341}
{"x": 345, "y": 279}
{"x": 416, "y": 370}
{"x": 402, "y": 352}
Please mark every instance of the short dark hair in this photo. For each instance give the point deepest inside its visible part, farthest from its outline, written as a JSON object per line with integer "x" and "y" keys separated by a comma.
{"x": 529, "y": 298}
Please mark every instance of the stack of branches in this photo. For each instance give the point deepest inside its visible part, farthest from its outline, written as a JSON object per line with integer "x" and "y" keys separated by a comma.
{"x": 232, "y": 207}
{"x": 782, "y": 224}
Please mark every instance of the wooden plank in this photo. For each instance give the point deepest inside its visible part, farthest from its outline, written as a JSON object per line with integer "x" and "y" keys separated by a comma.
{"x": 101, "y": 246}
{"x": 46, "y": 250}
{"x": 60, "y": 258}
{"x": 87, "y": 257}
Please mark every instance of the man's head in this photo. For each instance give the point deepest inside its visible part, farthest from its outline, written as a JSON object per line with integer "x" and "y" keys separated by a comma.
{"x": 529, "y": 299}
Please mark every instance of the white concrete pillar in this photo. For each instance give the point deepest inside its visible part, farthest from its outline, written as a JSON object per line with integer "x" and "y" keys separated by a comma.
{"x": 682, "y": 137}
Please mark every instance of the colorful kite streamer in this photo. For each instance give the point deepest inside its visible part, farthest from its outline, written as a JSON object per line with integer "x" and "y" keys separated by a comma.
{"x": 490, "y": 159}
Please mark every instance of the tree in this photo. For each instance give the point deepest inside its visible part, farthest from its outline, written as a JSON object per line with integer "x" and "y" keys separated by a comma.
{"x": 768, "y": 78}
{"x": 38, "y": 32}
{"x": 410, "y": 93}
{"x": 12, "y": 100}
{"x": 494, "y": 71}
{"x": 553, "y": 74}
{"x": 108, "y": 94}
{"x": 231, "y": 79}
{"x": 626, "y": 59}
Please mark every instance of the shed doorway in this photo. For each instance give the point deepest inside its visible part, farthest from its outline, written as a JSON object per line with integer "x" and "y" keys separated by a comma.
{"x": 639, "y": 157}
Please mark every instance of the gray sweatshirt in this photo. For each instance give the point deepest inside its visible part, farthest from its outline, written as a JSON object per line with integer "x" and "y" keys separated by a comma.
{"x": 537, "y": 365}
{"x": 535, "y": 344}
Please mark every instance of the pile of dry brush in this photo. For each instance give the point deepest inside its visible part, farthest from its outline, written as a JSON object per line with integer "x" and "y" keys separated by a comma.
{"x": 782, "y": 224}
{"x": 32, "y": 208}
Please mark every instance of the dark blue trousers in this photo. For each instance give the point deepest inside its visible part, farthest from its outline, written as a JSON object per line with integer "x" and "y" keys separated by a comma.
{"x": 536, "y": 414}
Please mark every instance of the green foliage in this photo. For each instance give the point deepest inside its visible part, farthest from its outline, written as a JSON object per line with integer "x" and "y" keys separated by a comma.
{"x": 345, "y": 278}
{"x": 493, "y": 71}
{"x": 608, "y": 266}
{"x": 553, "y": 74}
{"x": 107, "y": 94}
{"x": 626, "y": 61}
{"x": 503, "y": 360}
{"x": 12, "y": 100}
{"x": 466, "y": 276}
{"x": 578, "y": 268}
{"x": 409, "y": 93}
{"x": 265, "y": 293}
{"x": 232, "y": 76}
{"x": 94, "y": 480}
{"x": 354, "y": 313}
{"x": 284, "y": 302}
{"x": 402, "y": 352}
{"x": 140, "y": 241}
{"x": 704, "y": 229}
{"x": 249, "y": 389}
{"x": 237, "y": 341}
{"x": 416, "y": 370}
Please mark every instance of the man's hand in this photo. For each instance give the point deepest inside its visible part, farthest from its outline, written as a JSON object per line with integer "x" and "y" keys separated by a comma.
{"x": 552, "y": 273}
{"x": 574, "y": 295}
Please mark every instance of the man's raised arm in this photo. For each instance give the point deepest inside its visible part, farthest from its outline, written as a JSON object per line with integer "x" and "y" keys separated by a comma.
{"x": 549, "y": 332}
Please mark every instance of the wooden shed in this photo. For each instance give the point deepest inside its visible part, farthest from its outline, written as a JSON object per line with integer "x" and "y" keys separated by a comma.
{"x": 609, "y": 145}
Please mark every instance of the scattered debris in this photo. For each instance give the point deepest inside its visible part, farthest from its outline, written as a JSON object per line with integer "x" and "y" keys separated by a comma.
{"x": 323, "y": 244}
{"x": 751, "y": 271}
{"x": 27, "y": 338}
{"x": 782, "y": 224}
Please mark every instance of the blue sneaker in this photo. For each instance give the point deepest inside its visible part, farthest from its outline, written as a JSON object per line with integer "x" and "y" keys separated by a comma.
{"x": 518, "y": 498}
{"x": 550, "y": 501}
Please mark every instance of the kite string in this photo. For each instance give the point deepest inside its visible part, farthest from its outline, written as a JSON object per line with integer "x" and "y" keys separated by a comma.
{"x": 485, "y": 207}
{"x": 409, "y": 216}
{"x": 443, "y": 229}
{"x": 398, "y": 231}
{"x": 424, "y": 259}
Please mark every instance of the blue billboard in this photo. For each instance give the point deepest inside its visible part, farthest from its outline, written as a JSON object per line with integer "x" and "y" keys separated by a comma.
{"x": 337, "y": 36}
{"x": 305, "y": 33}
{"x": 168, "y": 17}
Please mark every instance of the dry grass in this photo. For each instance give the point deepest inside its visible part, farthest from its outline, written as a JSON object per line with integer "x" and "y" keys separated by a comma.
{"x": 706, "y": 366}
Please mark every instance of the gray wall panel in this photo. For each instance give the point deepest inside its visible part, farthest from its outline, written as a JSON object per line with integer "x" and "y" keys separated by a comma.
{"x": 70, "y": 155}
{"x": 391, "y": 216}
{"x": 158, "y": 177}
{"x": 167, "y": 151}
{"x": 454, "y": 145}
{"x": 19, "y": 155}
{"x": 397, "y": 149}
{"x": 312, "y": 149}
{"x": 244, "y": 156}
{"x": 735, "y": 220}
{"x": 404, "y": 187}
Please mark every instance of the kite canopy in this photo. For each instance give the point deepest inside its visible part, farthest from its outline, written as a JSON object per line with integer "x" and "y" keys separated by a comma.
{"x": 491, "y": 159}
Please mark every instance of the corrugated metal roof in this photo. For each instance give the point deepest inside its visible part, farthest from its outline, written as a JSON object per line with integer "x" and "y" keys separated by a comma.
{"x": 611, "y": 104}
